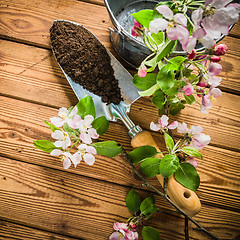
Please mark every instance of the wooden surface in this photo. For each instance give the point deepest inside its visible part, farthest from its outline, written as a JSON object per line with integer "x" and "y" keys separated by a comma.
{"x": 40, "y": 200}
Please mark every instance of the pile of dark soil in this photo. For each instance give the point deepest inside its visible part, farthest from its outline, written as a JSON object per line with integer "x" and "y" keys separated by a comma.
{"x": 85, "y": 60}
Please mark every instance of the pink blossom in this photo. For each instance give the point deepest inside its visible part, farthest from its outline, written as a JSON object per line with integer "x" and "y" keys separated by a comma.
{"x": 214, "y": 81}
{"x": 223, "y": 16}
{"x": 198, "y": 139}
{"x": 214, "y": 20}
{"x": 142, "y": 71}
{"x": 214, "y": 69}
{"x": 175, "y": 25}
{"x": 131, "y": 235}
{"x": 66, "y": 158}
{"x": 163, "y": 124}
{"x": 63, "y": 139}
{"x": 206, "y": 103}
{"x": 123, "y": 233}
{"x": 117, "y": 236}
{"x": 203, "y": 83}
{"x": 220, "y": 49}
{"x": 206, "y": 100}
{"x": 87, "y": 132}
{"x": 86, "y": 153}
{"x": 65, "y": 116}
{"x": 215, "y": 92}
{"x": 120, "y": 226}
{"x": 192, "y": 161}
{"x": 188, "y": 89}
{"x": 215, "y": 59}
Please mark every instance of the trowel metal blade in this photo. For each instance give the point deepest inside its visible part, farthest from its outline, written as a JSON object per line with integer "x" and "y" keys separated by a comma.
{"x": 128, "y": 91}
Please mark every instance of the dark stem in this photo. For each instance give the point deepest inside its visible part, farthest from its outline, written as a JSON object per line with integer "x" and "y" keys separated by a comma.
{"x": 186, "y": 229}
{"x": 165, "y": 185}
{"x": 147, "y": 184}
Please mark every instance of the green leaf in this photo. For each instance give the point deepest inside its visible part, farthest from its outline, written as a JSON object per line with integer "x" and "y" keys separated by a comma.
{"x": 187, "y": 72}
{"x": 86, "y": 107}
{"x": 176, "y": 63}
{"x": 108, "y": 148}
{"x": 150, "y": 166}
{"x": 144, "y": 17}
{"x": 172, "y": 91}
{"x": 150, "y": 91}
{"x": 151, "y": 63}
{"x": 150, "y": 233}
{"x": 158, "y": 38}
{"x": 189, "y": 99}
{"x": 158, "y": 99}
{"x": 187, "y": 175}
{"x": 133, "y": 201}
{"x": 148, "y": 206}
{"x": 140, "y": 153}
{"x": 175, "y": 108}
{"x": 45, "y": 145}
{"x": 69, "y": 130}
{"x": 169, "y": 141}
{"x": 168, "y": 48}
{"x": 52, "y": 127}
{"x": 168, "y": 165}
{"x": 192, "y": 151}
{"x": 101, "y": 124}
{"x": 165, "y": 78}
{"x": 146, "y": 82}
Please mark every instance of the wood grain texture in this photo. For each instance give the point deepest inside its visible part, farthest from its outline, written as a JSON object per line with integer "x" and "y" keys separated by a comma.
{"x": 40, "y": 200}
{"x": 32, "y": 74}
{"x": 9, "y": 231}
{"x": 22, "y": 123}
{"x": 30, "y": 23}
{"x": 83, "y": 207}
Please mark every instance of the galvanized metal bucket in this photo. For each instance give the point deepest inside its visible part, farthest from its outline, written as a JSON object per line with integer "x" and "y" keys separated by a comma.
{"x": 130, "y": 48}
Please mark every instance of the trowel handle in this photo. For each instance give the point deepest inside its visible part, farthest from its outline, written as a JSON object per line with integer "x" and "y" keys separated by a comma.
{"x": 184, "y": 198}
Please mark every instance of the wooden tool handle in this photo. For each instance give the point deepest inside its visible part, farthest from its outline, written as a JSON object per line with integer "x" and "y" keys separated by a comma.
{"x": 184, "y": 198}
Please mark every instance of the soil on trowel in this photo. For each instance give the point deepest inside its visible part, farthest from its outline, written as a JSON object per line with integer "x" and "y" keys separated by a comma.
{"x": 85, "y": 60}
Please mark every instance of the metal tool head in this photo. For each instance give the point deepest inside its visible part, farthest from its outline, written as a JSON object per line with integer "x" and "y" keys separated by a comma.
{"x": 129, "y": 92}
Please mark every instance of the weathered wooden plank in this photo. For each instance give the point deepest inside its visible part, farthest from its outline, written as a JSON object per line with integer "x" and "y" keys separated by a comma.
{"x": 36, "y": 18}
{"x": 31, "y": 73}
{"x": 10, "y": 230}
{"x": 235, "y": 32}
{"x": 62, "y": 202}
{"x": 30, "y": 21}
{"x": 22, "y": 123}
{"x": 99, "y": 2}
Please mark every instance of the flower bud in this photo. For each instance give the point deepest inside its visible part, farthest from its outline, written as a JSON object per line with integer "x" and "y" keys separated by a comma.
{"x": 215, "y": 59}
{"x": 132, "y": 226}
{"x": 137, "y": 24}
{"x": 142, "y": 71}
{"x": 134, "y": 32}
{"x": 188, "y": 89}
{"x": 220, "y": 49}
{"x": 192, "y": 55}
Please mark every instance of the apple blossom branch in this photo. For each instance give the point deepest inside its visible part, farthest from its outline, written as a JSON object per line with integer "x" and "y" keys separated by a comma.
{"x": 149, "y": 185}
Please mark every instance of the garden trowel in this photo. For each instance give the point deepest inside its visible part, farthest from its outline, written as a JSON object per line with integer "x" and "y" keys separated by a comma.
{"x": 184, "y": 198}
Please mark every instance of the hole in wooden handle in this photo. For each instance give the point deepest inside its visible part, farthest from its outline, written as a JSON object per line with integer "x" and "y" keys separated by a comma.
{"x": 187, "y": 194}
